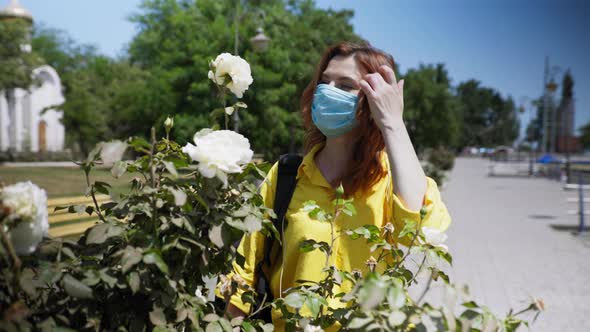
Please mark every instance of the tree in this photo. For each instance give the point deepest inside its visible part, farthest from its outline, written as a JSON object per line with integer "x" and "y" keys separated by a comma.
{"x": 430, "y": 109}
{"x": 168, "y": 45}
{"x": 488, "y": 119}
{"x": 17, "y": 62}
{"x": 104, "y": 97}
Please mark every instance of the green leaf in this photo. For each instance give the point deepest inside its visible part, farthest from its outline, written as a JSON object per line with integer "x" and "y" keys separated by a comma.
{"x": 171, "y": 169}
{"x": 101, "y": 232}
{"x": 313, "y": 304}
{"x": 211, "y": 318}
{"x": 396, "y": 297}
{"x": 249, "y": 297}
{"x": 294, "y": 300}
{"x": 76, "y": 288}
{"x": 26, "y": 281}
{"x": 213, "y": 327}
{"x": 250, "y": 224}
{"x": 268, "y": 327}
{"x": 130, "y": 257}
{"x": 396, "y": 318}
{"x": 119, "y": 168}
{"x": 220, "y": 236}
{"x": 225, "y": 325}
{"x": 247, "y": 327}
{"x": 154, "y": 257}
{"x": 470, "y": 314}
{"x": 68, "y": 252}
{"x": 307, "y": 245}
{"x": 409, "y": 228}
{"x": 157, "y": 317}
{"x": 106, "y": 278}
{"x": 133, "y": 281}
{"x": 140, "y": 144}
{"x": 359, "y": 322}
{"x": 350, "y": 208}
{"x": 102, "y": 187}
{"x": 202, "y": 202}
{"x": 310, "y": 206}
{"x": 470, "y": 304}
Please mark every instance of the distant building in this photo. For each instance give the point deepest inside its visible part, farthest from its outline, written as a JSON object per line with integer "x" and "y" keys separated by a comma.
{"x": 566, "y": 140}
{"x": 27, "y": 121}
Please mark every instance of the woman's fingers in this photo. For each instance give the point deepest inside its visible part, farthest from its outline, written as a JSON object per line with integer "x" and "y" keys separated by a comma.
{"x": 367, "y": 89}
{"x": 375, "y": 80}
{"x": 388, "y": 74}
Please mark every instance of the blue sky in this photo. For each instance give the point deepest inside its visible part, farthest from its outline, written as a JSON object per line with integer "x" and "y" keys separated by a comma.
{"x": 502, "y": 43}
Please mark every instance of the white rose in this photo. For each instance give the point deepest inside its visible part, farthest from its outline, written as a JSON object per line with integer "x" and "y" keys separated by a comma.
{"x": 231, "y": 71}
{"x": 312, "y": 328}
{"x": 111, "y": 152}
{"x": 219, "y": 153}
{"x": 28, "y": 205}
{"x": 435, "y": 237}
{"x": 169, "y": 123}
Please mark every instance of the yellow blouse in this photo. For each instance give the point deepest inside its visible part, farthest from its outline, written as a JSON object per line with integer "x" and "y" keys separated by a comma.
{"x": 377, "y": 207}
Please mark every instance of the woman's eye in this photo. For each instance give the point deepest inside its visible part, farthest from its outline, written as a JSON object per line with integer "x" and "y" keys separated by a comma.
{"x": 346, "y": 87}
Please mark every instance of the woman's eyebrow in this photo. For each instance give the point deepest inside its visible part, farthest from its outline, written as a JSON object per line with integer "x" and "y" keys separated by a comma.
{"x": 326, "y": 77}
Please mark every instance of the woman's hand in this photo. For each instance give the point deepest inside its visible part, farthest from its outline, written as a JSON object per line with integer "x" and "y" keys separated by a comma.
{"x": 386, "y": 101}
{"x": 385, "y": 96}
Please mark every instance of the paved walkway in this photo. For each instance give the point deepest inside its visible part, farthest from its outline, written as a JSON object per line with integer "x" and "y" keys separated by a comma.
{"x": 511, "y": 238}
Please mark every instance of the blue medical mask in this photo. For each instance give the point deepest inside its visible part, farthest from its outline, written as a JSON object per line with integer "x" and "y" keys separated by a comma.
{"x": 333, "y": 110}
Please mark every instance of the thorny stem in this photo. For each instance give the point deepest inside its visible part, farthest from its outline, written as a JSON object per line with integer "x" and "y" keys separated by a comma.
{"x": 332, "y": 241}
{"x": 262, "y": 306}
{"x": 523, "y": 310}
{"x": 425, "y": 289}
{"x": 153, "y": 182}
{"x": 16, "y": 261}
{"x": 412, "y": 242}
{"x": 93, "y": 195}
{"x": 419, "y": 268}
{"x": 222, "y": 94}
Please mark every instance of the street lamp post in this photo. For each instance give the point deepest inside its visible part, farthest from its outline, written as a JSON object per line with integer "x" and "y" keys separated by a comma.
{"x": 259, "y": 43}
{"x": 523, "y": 102}
{"x": 549, "y": 127}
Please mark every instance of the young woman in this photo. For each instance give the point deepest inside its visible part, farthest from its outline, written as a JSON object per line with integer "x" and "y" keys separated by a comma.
{"x": 355, "y": 135}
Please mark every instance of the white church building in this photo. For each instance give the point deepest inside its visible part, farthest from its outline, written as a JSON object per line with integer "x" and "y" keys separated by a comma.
{"x": 24, "y": 125}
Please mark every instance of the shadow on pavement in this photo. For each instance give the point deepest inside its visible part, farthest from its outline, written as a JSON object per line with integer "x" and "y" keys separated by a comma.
{"x": 570, "y": 228}
{"x": 542, "y": 216}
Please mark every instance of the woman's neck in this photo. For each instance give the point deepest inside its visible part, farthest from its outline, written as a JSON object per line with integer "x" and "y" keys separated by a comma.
{"x": 333, "y": 159}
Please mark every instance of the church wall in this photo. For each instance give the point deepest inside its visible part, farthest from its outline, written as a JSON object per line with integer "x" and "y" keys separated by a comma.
{"x": 24, "y": 126}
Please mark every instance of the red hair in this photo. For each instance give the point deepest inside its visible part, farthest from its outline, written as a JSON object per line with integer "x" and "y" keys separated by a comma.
{"x": 366, "y": 168}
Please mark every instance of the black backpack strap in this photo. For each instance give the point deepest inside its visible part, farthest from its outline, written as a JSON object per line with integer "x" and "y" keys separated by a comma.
{"x": 286, "y": 182}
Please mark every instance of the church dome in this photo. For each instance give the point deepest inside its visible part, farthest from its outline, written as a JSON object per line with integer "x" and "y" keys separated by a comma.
{"x": 15, "y": 10}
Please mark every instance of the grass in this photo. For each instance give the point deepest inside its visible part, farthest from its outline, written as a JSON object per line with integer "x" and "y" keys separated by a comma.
{"x": 61, "y": 181}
